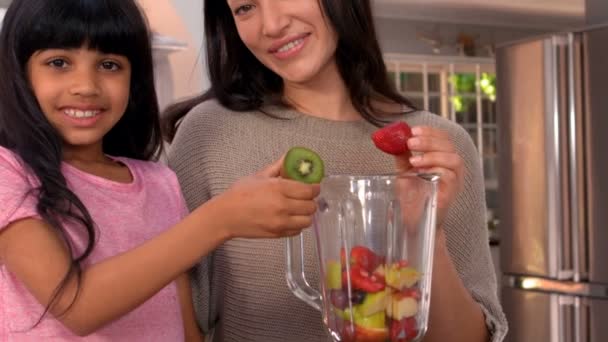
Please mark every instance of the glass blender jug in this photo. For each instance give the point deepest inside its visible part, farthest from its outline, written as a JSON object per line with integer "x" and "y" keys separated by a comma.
{"x": 375, "y": 240}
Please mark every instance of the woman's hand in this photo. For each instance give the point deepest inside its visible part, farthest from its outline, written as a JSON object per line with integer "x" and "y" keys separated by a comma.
{"x": 267, "y": 206}
{"x": 433, "y": 151}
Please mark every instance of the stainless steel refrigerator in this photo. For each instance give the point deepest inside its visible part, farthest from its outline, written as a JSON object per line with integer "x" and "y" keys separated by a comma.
{"x": 553, "y": 174}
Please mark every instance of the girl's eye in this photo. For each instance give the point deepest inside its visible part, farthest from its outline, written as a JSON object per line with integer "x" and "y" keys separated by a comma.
{"x": 58, "y": 63}
{"x": 109, "y": 65}
{"x": 243, "y": 9}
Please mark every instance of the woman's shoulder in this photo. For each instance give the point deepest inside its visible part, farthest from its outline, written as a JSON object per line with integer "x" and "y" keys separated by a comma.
{"x": 207, "y": 110}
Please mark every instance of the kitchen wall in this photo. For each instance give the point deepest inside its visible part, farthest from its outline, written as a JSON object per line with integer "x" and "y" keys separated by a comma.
{"x": 180, "y": 74}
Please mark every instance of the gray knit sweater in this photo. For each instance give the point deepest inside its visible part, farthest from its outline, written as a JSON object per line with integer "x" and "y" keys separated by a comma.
{"x": 240, "y": 290}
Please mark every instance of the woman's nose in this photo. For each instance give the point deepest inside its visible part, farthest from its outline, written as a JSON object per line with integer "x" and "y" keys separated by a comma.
{"x": 275, "y": 20}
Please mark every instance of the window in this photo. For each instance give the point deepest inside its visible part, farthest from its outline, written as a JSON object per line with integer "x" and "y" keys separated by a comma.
{"x": 459, "y": 88}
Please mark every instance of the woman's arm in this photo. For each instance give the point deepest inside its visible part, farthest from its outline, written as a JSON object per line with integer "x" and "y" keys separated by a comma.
{"x": 191, "y": 330}
{"x": 455, "y": 315}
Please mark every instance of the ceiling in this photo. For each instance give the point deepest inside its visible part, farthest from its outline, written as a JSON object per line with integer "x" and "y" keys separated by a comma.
{"x": 541, "y": 14}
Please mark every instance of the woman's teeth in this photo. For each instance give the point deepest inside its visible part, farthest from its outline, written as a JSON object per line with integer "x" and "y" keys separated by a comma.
{"x": 81, "y": 113}
{"x": 291, "y": 45}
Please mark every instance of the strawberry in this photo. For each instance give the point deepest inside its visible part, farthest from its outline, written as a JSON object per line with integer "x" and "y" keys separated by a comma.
{"x": 392, "y": 139}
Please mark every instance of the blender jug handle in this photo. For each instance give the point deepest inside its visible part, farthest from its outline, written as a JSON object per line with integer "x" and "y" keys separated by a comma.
{"x": 296, "y": 279}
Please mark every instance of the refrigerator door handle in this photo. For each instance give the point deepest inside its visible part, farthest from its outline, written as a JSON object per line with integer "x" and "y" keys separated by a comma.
{"x": 557, "y": 158}
{"x": 580, "y": 320}
{"x": 565, "y": 329}
{"x": 575, "y": 162}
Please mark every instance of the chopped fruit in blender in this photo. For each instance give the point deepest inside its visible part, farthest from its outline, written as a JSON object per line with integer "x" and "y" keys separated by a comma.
{"x": 392, "y": 139}
{"x": 373, "y": 303}
{"x": 372, "y": 298}
{"x": 344, "y": 314}
{"x": 333, "y": 275}
{"x": 404, "y": 330}
{"x": 363, "y": 280}
{"x": 401, "y": 306}
{"x": 380, "y": 271}
{"x": 375, "y": 321}
{"x": 399, "y": 277}
{"x": 339, "y": 299}
{"x": 364, "y": 257}
{"x": 371, "y": 334}
{"x": 357, "y": 297}
{"x": 411, "y": 292}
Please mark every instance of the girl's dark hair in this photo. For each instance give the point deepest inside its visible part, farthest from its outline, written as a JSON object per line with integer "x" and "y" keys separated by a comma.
{"x": 241, "y": 83}
{"x": 109, "y": 26}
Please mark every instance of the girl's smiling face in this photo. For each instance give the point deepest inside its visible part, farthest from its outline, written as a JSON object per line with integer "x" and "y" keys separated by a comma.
{"x": 83, "y": 93}
{"x": 290, "y": 37}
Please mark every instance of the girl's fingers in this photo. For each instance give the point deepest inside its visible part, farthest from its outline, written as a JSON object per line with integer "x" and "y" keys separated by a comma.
{"x": 301, "y": 207}
{"x": 297, "y": 223}
{"x": 272, "y": 170}
{"x": 299, "y": 191}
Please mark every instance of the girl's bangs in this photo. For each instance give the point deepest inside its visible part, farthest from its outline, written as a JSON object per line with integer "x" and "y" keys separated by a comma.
{"x": 98, "y": 25}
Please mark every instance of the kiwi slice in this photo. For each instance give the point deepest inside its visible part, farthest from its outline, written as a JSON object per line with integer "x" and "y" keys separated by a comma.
{"x": 304, "y": 165}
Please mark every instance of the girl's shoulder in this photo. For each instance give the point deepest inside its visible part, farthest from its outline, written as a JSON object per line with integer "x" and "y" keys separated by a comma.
{"x": 147, "y": 168}
{"x": 12, "y": 165}
{"x": 16, "y": 189}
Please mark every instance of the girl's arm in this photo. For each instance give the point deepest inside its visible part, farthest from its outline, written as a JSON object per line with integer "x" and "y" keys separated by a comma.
{"x": 262, "y": 207}
{"x": 191, "y": 330}
{"x": 33, "y": 251}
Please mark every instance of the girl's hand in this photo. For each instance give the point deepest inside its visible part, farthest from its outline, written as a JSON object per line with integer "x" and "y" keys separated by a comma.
{"x": 267, "y": 206}
{"x": 433, "y": 151}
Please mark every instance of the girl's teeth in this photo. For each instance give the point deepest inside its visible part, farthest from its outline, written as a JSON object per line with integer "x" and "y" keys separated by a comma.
{"x": 81, "y": 113}
{"x": 291, "y": 45}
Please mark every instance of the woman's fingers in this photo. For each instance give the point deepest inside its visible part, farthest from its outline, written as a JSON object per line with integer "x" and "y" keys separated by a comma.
{"x": 430, "y": 132}
{"x": 437, "y": 159}
{"x": 430, "y": 143}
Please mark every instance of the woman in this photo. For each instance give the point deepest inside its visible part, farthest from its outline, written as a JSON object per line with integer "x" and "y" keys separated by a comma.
{"x": 310, "y": 73}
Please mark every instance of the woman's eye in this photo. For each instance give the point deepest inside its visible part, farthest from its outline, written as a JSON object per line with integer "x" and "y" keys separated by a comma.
{"x": 243, "y": 9}
{"x": 58, "y": 63}
{"x": 108, "y": 65}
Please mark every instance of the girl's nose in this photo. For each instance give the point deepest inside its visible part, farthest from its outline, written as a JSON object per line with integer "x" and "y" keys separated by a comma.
{"x": 274, "y": 19}
{"x": 84, "y": 83}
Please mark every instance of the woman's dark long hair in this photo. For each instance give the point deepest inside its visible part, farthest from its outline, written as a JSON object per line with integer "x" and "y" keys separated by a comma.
{"x": 109, "y": 26}
{"x": 240, "y": 82}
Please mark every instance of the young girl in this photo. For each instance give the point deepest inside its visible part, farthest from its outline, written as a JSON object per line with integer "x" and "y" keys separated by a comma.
{"x": 90, "y": 232}
{"x": 310, "y": 72}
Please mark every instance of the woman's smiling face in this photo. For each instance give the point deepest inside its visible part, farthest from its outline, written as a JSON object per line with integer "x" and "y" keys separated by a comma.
{"x": 290, "y": 37}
